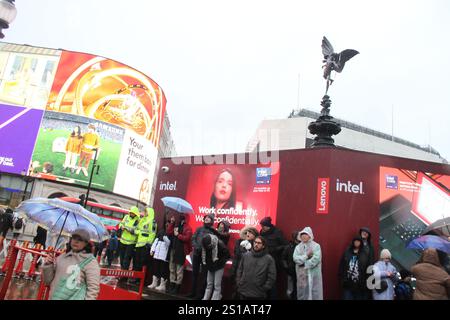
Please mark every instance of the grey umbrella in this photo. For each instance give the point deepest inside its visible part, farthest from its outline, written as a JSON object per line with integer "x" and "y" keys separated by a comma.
{"x": 441, "y": 227}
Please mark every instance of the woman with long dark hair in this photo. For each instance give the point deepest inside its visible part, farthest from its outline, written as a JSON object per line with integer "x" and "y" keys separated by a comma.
{"x": 224, "y": 192}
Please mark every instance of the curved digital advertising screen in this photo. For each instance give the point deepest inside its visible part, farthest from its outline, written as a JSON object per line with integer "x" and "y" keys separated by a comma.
{"x": 63, "y": 110}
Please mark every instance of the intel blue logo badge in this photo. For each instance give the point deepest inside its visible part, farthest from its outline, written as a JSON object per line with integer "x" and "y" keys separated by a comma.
{"x": 391, "y": 182}
{"x": 263, "y": 175}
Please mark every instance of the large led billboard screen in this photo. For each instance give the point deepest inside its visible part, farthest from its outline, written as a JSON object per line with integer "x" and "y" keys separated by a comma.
{"x": 76, "y": 108}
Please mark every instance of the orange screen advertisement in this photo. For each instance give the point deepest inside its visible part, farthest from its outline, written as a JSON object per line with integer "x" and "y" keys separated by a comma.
{"x": 106, "y": 90}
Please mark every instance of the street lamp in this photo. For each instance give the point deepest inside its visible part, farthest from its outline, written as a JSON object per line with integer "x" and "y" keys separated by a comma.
{"x": 27, "y": 180}
{"x": 94, "y": 165}
{"x": 8, "y": 13}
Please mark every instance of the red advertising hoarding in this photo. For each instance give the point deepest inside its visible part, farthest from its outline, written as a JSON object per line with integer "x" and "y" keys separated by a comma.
{"x": 239, "y": 194}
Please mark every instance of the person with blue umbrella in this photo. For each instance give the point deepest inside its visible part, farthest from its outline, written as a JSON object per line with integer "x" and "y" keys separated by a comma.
{"x": 74, "y": 275}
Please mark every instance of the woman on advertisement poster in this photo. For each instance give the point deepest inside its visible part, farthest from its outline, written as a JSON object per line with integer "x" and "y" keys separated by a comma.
{"x": 73, "y": 149}
{"x": 224, "y": 193}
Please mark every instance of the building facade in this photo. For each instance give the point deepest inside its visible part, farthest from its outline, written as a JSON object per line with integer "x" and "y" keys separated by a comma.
{"x": 293, "y": 133}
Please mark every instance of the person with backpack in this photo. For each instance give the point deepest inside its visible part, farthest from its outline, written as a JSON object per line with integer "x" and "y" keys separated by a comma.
{"x": 74, "y": 275}
{"x": 6, "y": 223}
{"x": 215, "y": 255}
{"x": 403, "y": 289}
{"x": 19, "y": 226}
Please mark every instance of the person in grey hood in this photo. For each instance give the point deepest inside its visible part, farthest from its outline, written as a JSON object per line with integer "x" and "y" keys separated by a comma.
{"x": 74, "y": 275}
{"x": 257, "y": 273}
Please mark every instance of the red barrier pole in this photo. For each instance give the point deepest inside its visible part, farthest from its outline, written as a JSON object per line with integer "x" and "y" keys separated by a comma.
{"x": 19, "y": 267}
{"x": 12, "y": 259}
{"x": 141, "y": 287}
{"x": 36, "y": 256}
{"x": 12, "y": 244}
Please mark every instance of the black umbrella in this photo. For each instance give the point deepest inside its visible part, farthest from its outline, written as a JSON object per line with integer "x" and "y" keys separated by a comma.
{"x": 441, "y": 228}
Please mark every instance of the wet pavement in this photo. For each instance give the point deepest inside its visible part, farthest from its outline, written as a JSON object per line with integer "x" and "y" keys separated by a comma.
{"x": 22, "y": 289}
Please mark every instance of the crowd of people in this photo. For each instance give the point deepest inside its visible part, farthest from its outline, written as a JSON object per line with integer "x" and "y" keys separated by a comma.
{"x": 258, "y": 261}
{"x": 261, "y": 257}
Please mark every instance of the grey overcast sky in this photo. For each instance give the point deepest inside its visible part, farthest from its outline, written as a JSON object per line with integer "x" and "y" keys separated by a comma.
{"x": 226, "y": 65}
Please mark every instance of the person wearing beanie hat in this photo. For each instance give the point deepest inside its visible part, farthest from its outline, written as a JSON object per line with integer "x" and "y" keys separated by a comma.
{"x": 275, "y": 244}
{"x": 241, "y": 246}
{"x": 385, "y": 274}
{"x": 77, "y": 264}
{"x": 266, "y": 222}
{"x": 352, "y": 269}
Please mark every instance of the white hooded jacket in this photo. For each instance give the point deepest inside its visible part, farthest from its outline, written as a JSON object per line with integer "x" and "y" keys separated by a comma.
{"x": 309, "y": 270}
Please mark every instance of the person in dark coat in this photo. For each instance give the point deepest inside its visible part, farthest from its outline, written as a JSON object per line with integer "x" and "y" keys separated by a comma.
{"x": 403, "y": 289}
{"x": 369, "y": 255}
{"x": 6, "y": 223}
{"x": 275, "y": 245}
{"x": 197, "y": 270}
{"x": 256, "y": 274}
{"x": 242, "y": 245}
{"x": 287, "y": 261}
{"x": 180, "y": 247}
{"x": 111, "y": 248}
{"x": 215, "y": 255}
{"x": 351, "y": 271}
{"x": 40, "y": 237}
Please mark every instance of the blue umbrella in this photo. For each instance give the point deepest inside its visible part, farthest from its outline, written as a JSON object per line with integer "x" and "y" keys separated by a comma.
{"x": 57, "y": 215}
{"x": 177, "y": 204}
{"x": 430, "y": 241}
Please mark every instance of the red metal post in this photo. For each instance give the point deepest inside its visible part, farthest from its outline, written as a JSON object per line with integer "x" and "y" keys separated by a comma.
{"x": 12, "y": 259}
{"x": 19, "y": 267}
{"x": 141, "y": 286}
{"x": 6, "y": 264}
{"x": 36, "y": 256}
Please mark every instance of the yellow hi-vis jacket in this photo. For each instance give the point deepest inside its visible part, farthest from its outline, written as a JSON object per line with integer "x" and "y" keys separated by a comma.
{"x": 129, "y": 227}
{"x": 146, "y": 229}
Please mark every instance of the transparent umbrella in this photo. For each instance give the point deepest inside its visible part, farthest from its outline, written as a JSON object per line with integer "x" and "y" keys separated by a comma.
{"x": 64, "y": 217}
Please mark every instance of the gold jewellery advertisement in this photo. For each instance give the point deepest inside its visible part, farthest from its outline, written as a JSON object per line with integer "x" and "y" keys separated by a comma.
{"x": 85, "y": 107}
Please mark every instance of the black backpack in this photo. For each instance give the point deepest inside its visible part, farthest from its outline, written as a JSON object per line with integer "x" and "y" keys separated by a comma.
{"x": 18, "y": 224}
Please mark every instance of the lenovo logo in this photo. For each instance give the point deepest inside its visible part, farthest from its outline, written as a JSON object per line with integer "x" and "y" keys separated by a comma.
{"x": 323, "y": 192}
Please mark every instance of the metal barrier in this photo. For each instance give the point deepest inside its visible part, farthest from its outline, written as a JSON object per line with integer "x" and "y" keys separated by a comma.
{"x": 10, "y": 263}
{"x": 108, "y": 292}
